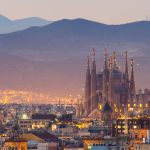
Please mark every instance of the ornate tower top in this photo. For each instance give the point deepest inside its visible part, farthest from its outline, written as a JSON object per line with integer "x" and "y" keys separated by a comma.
{"x": 132, "y": 62}
{"x": 110, "y": 62}
{"x": 126, "y": 66}
{"x": 93, "y": 82}
{"x": 132, "y": 82}
{"x": 105, "y": 59}
{"x": 93, "y": 50}
{"x": 115, "y": 60}
{"x": 88, "y": 62}
{"x": 132, "y": 70}
{"x": 93, "y": 59}
{"x": 132, "y": 73}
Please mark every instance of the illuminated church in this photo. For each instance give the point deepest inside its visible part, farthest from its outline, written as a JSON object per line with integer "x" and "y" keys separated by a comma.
{"x": 111, "y": 90}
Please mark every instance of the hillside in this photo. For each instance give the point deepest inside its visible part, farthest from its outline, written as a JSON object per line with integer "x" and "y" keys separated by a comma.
{"x": 44, "y": 58}
{"x": 7, "y": 25}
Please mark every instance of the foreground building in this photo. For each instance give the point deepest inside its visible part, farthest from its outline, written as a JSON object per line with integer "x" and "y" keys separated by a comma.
{"x": 15, "y": 145}
{"x": 141, "y": 146}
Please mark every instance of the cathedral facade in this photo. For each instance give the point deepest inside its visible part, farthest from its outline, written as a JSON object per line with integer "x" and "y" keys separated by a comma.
{"x": 111, "y": 87}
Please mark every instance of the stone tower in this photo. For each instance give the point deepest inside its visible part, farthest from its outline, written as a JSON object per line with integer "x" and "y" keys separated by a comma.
{"x": 126, "y": 78}
{"x": 93, "y": 82}
{"x": 105, "y": 83}
{"x": 132, "y": 86}
{"x": 87, "y": 89}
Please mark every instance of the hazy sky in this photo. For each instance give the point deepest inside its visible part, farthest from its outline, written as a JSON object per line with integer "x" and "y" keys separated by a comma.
{"x": 106, "y": 11}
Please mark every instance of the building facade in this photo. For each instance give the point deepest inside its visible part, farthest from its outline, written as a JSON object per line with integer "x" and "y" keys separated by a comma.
{"x": 112, "y": 87}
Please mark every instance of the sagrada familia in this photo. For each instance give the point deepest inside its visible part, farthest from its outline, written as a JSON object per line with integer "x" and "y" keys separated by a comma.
{"x": 111, "y": 90}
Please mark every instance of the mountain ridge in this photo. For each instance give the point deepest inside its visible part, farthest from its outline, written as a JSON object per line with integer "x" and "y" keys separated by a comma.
{"x": 53, "y": 53}
{"x": 8, "y": 25}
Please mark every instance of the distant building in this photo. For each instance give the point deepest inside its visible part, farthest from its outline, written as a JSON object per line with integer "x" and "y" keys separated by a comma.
{"x": 95, "y": 144}
{"x": 42, "y": 140}
{"x": 138, "y": 127}
{"x": 108, "y": 147}
{"x": 37, "y": 121}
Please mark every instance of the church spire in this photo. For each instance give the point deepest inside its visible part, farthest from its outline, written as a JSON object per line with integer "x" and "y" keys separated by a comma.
{"x": 87, "y": 88}
{"x": 132, "y": 74}
{"x": 88, "y": 63}
{"x": 127, "y": 84}
{"x": 126, "y": 65}
{"x": 115, "y": 60}
{"x": 105, "y": 81}
{"x": 110, "y": 62}
{"x": 132, "y": 82}
{"x": 93, "y": 82}
{"x": 110, "y": 80}
{"x": 105, "y": 60}
{"x": 93, "y": 59}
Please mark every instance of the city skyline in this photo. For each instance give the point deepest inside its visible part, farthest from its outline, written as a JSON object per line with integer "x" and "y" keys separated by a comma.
{"x": 74, "y": 74}
{"x": 98, "y": 10}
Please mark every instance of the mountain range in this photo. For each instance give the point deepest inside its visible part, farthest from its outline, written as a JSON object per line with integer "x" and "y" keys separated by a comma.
{"x": 7, "y": 25}
{"x": 52, "y": 58}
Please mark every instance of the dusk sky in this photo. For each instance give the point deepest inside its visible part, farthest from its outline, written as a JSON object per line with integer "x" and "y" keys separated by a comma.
{"x": 105, "y": 11}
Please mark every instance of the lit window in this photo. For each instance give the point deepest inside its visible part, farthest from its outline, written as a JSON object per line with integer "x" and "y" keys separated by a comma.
{"x": 116, "y": 110}
{"x": 100, "y": 107}
{"x": 89, "y": 147}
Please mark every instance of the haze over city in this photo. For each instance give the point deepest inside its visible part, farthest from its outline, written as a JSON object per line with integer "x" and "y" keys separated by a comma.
{"x": 50, "y": 54}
